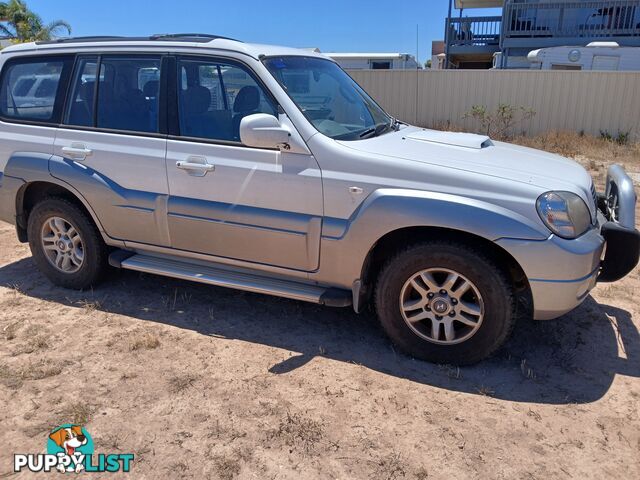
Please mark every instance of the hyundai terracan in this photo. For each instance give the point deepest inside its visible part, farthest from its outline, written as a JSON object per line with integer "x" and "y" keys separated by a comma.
{"x": 269, "y": 169}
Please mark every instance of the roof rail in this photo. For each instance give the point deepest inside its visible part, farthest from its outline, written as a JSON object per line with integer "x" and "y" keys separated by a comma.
{"x": 203, "y": 37}
{"x": 90, "y": 38}
{"x": 178, "y": 37}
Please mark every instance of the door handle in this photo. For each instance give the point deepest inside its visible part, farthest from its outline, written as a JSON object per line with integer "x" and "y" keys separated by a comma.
{"x": 196, "y": 166}
{"x": 77, "y": 151}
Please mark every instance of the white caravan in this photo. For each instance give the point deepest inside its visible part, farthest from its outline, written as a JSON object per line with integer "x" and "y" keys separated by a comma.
{"x": 596, "y": 56}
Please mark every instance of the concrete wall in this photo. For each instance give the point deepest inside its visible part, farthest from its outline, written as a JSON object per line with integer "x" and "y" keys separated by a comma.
{"x": 563, "y": 100}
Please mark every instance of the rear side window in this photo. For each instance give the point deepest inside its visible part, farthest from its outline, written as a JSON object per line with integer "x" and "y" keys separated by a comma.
{"x": 33, "y": 89}
{"x": 81, "y": 101}
{"x": 127, "y": 90}
{"x": 128, "y": 94}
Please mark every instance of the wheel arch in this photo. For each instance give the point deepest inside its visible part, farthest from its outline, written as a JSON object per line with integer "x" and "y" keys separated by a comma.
{"x": 395, "y": 240}
{"x": 31, "y": 193}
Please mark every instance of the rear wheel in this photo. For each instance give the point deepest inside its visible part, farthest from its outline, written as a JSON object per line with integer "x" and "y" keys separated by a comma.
{"x": 445, "y": 303}
{"x": 65, "y": 244}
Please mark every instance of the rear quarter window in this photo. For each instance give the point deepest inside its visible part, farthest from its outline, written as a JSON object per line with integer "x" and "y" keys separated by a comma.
{"x": 33, "y": 88}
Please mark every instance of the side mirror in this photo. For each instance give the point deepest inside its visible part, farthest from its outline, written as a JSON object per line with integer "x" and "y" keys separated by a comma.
{"x": 263, "y": 131}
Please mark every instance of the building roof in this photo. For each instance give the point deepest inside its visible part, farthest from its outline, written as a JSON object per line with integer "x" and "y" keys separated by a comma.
{"x": 380, "y": 56}
{"x": 478, "y": 3}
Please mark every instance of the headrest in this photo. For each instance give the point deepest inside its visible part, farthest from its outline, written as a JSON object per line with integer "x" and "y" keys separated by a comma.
{"x": 197, "y": 99}
{"x": 150, "y": 88}
{"x": 247, "y": 100}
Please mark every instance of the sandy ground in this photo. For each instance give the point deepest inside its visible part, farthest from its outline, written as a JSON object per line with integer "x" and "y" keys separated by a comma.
{"x": 202, "y": 382}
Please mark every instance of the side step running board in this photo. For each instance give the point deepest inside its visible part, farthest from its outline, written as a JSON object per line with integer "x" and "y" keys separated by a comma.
{"x": 170, "y": 267}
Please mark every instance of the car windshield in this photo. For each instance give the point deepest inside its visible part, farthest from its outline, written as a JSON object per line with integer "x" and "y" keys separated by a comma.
{"x": 329, "y": 98}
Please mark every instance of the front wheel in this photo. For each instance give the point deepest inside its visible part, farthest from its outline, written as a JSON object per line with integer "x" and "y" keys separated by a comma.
{"x": 445, "y": 303}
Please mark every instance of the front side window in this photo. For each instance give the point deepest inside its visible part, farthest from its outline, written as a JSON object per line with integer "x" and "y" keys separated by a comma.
{"x": 335, "y": 104}
{"x": 213, "y": 97}
{"x": 31, "y": 90}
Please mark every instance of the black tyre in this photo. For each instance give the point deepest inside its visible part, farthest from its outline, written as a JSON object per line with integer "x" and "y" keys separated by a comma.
{"x": 445, "y": 303}
{"x": 65, "y": 244}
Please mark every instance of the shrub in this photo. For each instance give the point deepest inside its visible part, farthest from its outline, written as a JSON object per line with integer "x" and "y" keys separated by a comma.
{"x": 499, "y": 123}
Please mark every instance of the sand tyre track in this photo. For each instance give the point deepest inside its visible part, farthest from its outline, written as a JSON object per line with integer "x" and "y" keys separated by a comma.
{"x": 445, "y": 303}
{"x": 65, "y": 244}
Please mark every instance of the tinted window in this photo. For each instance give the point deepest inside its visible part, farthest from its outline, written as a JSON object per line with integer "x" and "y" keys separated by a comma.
{"x": 23, "y": 86}
{"x": 30, "y": 88}
{"x": 47, "y": 88}
{"x": 128, "y": 93}
{"x": 214, "y": 97}
{"x": 80, "y": 104}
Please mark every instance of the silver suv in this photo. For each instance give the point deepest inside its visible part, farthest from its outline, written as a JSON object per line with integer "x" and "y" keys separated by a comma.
{"x": 269, "y": 169}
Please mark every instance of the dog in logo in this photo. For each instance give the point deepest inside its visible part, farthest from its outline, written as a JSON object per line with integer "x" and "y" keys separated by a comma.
{"x": 69, "y": 439}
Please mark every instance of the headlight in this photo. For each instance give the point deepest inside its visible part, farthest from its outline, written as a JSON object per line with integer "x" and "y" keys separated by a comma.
{"x": 564, "y": 213}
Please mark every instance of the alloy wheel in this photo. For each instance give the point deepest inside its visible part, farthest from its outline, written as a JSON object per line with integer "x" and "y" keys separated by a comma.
{"x": 62, "y": 245}
{"x": 441, "y": 306}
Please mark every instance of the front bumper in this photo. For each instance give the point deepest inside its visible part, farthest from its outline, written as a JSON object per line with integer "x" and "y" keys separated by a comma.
{"x": 622, "y": 251}
{"x": 562, "y": 272}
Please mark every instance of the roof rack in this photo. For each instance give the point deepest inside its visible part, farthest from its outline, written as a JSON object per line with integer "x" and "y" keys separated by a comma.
{"x": 198, "y": 37}
{"x": 90, "y": 38}
{"x": 176, "y": 37}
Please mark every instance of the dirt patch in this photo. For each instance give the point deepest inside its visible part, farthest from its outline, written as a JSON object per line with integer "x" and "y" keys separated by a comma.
{"x": 202, "y": 382}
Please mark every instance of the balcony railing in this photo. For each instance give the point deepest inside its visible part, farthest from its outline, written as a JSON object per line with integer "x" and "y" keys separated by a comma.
{"x": 577, "y": 19}
{"x": 474, "y": 31}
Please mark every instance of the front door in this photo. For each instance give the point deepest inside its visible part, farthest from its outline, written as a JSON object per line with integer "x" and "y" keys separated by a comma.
{"x": 228, "y": 200}
{"x": 111, "y": 145}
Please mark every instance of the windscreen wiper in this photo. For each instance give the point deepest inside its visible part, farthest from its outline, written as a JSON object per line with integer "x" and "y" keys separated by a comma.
{"x": 375, "y": 131}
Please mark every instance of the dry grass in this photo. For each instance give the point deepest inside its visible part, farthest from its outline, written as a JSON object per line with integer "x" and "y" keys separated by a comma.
{"x": 390, "y": 467}
{"x": 40, "y": 370}
{"x": 76, "y": 413}
{"x": 178, "y": 469}
{"x": 37, "y": 338}
{"x": 89, "y": 306}
{"x": 422, "y": 474}
{"x": 573, "y": 145}
{"x": 14, "y": 377}
{"x": 145, "y": 341}
{"x": 299, "y": 432}
{"x": 10, "y": 331}
{"x": 179, "y": 383}
{"x": 13, "y": 298}
{"x": 226, "y": 467}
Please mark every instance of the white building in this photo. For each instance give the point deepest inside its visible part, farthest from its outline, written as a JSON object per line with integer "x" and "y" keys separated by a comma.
{"x": 373, "y": 61}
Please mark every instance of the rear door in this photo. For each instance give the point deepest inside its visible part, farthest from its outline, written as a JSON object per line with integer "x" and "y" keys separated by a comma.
{"x": 112, "y": 146}
{"x": 229, "y": 200}
{"x": 31, "y": 103}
